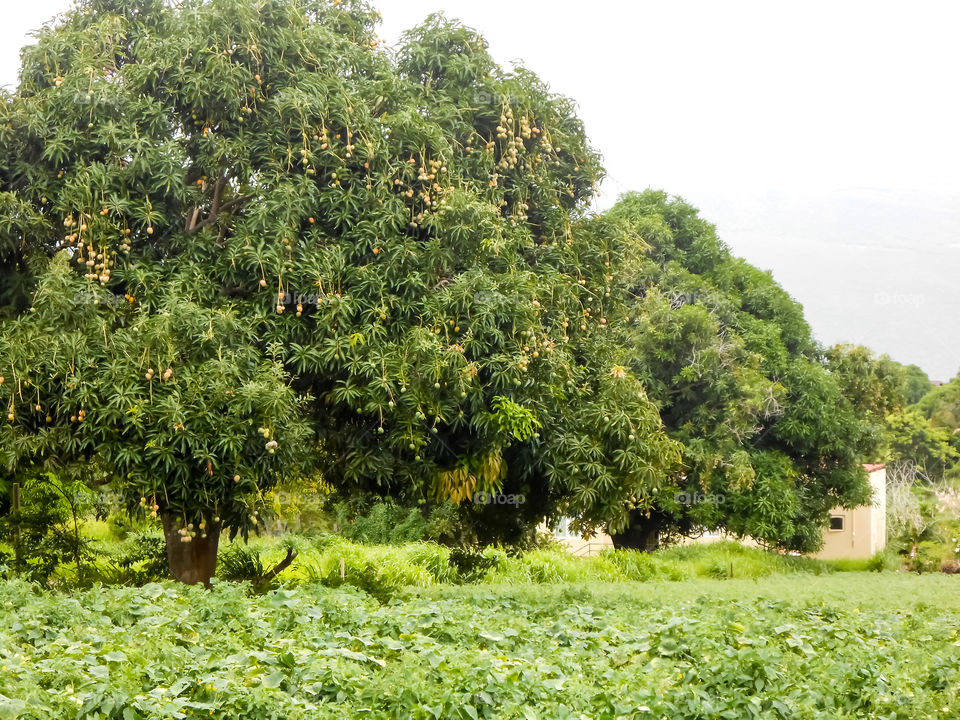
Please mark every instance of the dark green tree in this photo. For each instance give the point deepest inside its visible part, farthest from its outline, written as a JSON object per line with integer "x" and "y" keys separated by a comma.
{"x": 770, "y": 440}
{"x": 875, "y": 386}
{"x": 918, "y": 384}
{"x": 914, "y": 441}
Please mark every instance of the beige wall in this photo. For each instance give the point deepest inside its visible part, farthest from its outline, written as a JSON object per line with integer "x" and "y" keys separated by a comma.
{"x": 864, "y": 528}
{"x": 587, "y": 547}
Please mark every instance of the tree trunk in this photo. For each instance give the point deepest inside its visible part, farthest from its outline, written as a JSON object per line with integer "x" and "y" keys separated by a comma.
{"x": 643, "y": 533}
{"x": 195, "y": 561}
{"x": 637, "y": 537}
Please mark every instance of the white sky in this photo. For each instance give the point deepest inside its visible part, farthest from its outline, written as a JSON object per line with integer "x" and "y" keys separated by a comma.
{"x": 822, "y": 138}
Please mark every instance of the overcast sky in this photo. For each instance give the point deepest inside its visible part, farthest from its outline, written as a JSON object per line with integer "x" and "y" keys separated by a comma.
{"x": 821, "y": 137}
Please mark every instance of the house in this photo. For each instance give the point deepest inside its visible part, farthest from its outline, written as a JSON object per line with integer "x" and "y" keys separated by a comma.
{"x": 857, "y": 533}
{"x": 580, "y": 546}
{"x": 860, "y": 532}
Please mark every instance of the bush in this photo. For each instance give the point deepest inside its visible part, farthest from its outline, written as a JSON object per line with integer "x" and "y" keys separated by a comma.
{"x": 385, "y": 523}
{"x": 471, "y": 566}
{"x": 140, "y": 559}
{"x": 239, "y": 562}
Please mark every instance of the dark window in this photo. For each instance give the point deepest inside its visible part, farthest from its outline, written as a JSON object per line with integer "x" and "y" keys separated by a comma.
{"x": 836, "y": 522}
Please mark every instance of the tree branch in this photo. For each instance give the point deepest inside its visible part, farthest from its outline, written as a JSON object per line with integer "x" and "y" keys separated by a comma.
{"x": 280, "y": 567}
{"x": 213, "y": 217}
{"x": 218, "y": 194}
{"x": 217, "y": 207}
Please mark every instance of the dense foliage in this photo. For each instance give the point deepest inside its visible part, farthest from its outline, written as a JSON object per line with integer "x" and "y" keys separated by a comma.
{"x": 771, "y": 435}
{"x": 735, "y": 649}
{"x": 941, "y": 406}
{"x": 244, "y": 244}
{"x": 917, "y": 383}
{"x": 253, "y": 196}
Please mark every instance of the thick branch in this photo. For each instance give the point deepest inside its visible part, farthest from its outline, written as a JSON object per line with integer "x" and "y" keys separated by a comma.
{"x": 218, "y": 194}
{"x": 281, "y": 566}
{"x": 196, "y": 227}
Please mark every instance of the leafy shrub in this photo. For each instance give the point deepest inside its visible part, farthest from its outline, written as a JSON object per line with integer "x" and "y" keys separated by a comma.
{"x": 140, "y": 559}
{"x": 44, "y": 535}
{"x": 471, "y": 566}
{"x": 239, "y": 562}
{"x": 385, "y": 523}
{"x": 928, "y": 557}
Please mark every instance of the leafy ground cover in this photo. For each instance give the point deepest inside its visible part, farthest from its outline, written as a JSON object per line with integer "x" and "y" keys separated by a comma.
{"x": 783, "y": 646}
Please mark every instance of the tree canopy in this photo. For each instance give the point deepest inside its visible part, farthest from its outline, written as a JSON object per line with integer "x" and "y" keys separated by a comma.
{"x": 389, "y": 249}
{"x": 771, "y": 439}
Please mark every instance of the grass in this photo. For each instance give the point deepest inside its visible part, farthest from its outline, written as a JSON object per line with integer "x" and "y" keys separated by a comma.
{"x": 384, "y": 569}
{"x": 426, "y": 564}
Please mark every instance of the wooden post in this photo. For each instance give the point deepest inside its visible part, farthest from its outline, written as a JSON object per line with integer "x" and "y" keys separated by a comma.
{"x": 731, "y": 568}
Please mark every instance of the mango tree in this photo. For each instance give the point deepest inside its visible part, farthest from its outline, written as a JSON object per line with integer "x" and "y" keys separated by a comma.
{"x": 179, "y": 404}
{"x": 772, "y": 433}
{"x": 397, "y": 242}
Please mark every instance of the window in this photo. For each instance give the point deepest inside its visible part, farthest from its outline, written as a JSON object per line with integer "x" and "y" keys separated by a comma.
{"x": 563, "y": 531}
{"x": 836, "y": 523}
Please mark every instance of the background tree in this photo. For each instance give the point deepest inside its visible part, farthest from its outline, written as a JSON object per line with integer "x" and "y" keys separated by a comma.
{"x": 918, "y": 384}
{"x": 941, "y": 405}
{"x": 876, "y": 386}
{"x": 770, "y": 441}
{"x": 914, "y": 441}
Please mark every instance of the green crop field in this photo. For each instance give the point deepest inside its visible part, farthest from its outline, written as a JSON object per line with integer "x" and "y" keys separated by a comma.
{"x": 846, "y": 645}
